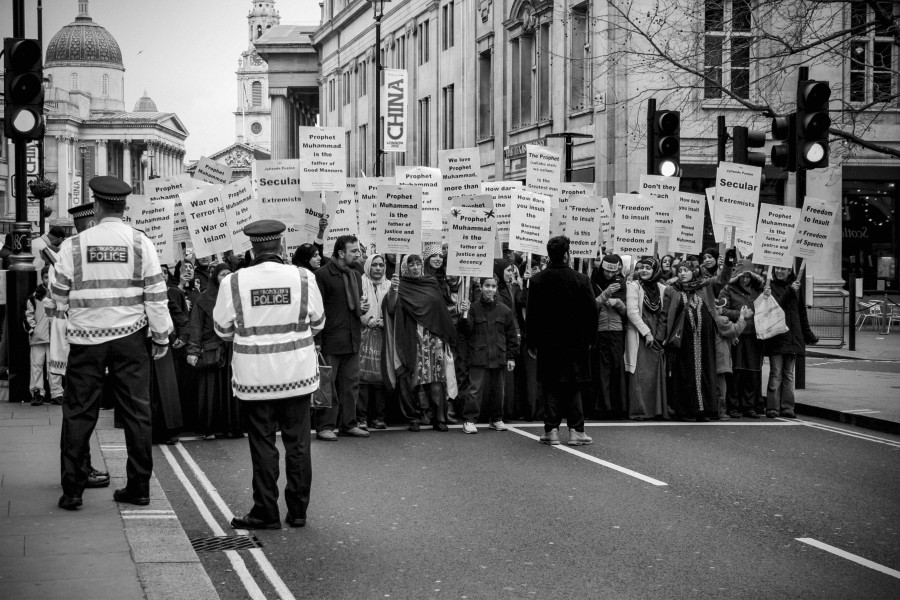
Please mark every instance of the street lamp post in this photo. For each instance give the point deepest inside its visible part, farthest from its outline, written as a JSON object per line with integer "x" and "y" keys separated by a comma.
{"x": 378, "y": 13}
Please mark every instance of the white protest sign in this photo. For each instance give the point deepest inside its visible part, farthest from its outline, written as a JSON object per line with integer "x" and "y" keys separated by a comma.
{"x": 583, "y": 226}
{"x": 277, "y": 184}
{"x": 744, "y": 240}
{"x": 429, "y": 180}
{"x": 294, "y": 237}
{"x": 663, "y": 192}
{"x": 687, "y": 226}
{"x": 504, "y": 193}
{"x": 718, "y": 230}
{"x": 157, "y": 221}
{"x": 812, "y": 231}
{"x": 482, "y": 201}
{"x": 399, "y": 219}
{"x": 559, "y": 216}
{"x": 529, "y": 225}
{"x": 315, "y": 206}
{"x": 367, "y": 197}
{"x": 606, "y": 222}
{"x": 213, "y": 172}
{"x": 543, "y": 172}
{"x": 323, "y": 159}
{"x": 635, "y": 225}
{"x": 133, "y": 207}
{"x": 168, "y": 188}
{"x": 461, "y": 171}
{"x": 207, "y": 222}
{"x": 395, "y": 98}
{"x": 737, "y": 194}
{"x": 471, "y": 249}
{"x": 342, "y": 218}
{"x": 240, "y": 210}
{"x": 774, "y": 234}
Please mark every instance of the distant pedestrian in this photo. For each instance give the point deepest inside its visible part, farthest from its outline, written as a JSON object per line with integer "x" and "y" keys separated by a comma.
{"x": 371, "y": 406}
{"x": 49, "y": 242}
{"x": 38, "y": 327}
{"x": 608, "y": 366}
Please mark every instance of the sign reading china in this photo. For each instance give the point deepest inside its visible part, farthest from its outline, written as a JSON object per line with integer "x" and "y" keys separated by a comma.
{"x": 240, "y": 210}
{"x": 543, "y": 172}
{"x": 367, "y": 197}
{"x": 399, "y": 219}
{"x": 634, "y": 225}
{"x": 213, "y": 172}
{"x": 157, "y": 221}
{"x": 323, "y": 159}
{"x": 429, "y": 180}
{"x": 504, "y": 193}
{"x": 207, "y": 222}
{"x": 687, "y": 226}
{"x": 812, "y": 231}
{"x": 529, "y": 225}
{"x": 472, "y": 235}
{"x": 277, "y": 184}
{"x": 663, "y": 191}
{"x": 394, "y": 97}
{"x": 774, "y": 234}
{"x": 583, "y": 226}
{"x": 737, "y": 194}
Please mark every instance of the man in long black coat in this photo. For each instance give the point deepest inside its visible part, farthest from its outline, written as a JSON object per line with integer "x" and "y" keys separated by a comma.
{"x": 561, "y": 326}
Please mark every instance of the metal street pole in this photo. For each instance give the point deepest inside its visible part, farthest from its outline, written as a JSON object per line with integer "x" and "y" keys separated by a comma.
{"x": 378, "y": 7}
{"x": 651, "y": 137}
{"x": 722, "y": 137}
{"x": 800, "y": 363}
{"x": 568, "y": 136}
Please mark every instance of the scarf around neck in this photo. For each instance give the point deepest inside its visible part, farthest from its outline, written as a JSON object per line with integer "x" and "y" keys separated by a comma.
{"x": 652, "y": 297}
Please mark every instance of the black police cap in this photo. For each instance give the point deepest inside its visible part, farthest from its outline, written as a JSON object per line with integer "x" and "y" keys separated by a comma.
{"x": 266, "y": 230}
{"x": 109, "y": 189}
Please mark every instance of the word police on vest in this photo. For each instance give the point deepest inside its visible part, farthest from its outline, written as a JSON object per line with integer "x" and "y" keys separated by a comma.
{"x": 107, "y": 254}
{"x": 270, "y": 296}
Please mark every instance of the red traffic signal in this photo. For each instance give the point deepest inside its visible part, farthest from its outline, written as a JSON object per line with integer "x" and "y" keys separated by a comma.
{"x": 23, "y": 89}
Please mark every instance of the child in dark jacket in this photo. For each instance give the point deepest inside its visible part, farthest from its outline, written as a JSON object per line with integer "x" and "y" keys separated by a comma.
{"x": 491, "y": 340}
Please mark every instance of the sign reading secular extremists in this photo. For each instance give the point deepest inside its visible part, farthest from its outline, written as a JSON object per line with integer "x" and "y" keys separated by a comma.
{"x": 277, "y": 184}
{"x": 504, "y": 193}
{"x": 399, "y": 219}
{"x": 429, "y": 180}
{"x": 240, "y": 209}
{"x": 472, "y": 235}
{"x": 663, "y": 191}
{"x": 157, "y": 221}
{"x": 207, "y": 222}
{"x": 395, "y": 98}
{"x": 543, "y": 172}
{"x": 812, "y": 231}
{"x": 634, "y": 225}
{"x": 583, "y": 226}
{"x": 323, "y": 159}
{"x": 687, "y": 228}
{"x": 213, "y": 172}
{"x": 737, "y": 194}
{"x": 774, "y": 235}
{"x": 529, "y": 225}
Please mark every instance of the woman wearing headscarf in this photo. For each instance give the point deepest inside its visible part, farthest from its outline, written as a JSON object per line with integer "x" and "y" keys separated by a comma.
{"x": 419, "y": 333}
{"x": 375, "y": 287}
{"x": 645, "y": 361}
{"x": 509, "y": 293}
{"x": 180, "y": 304}
{"x": 307, "y": 256}
{"x": 608, "y": 365}
{"x": 667, "y": 269}
{"x": 218, "y": 411}
{"x": 747, "y": 354}
{"x": 435, "y": 266}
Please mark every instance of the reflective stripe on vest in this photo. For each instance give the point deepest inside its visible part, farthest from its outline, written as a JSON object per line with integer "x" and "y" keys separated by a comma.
{"x": 79, "y": 283}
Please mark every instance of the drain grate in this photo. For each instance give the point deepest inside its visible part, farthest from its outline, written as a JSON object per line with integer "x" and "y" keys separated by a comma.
{"x": 225, "y": 542}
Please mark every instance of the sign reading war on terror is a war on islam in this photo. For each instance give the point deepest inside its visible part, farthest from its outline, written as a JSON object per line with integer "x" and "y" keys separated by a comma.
{"x": 394, "y": 98}
{"x": 472, "y": 235}
{"x": 207, "y": 222}
{"x": 774, "y": 235}
{"x": 634, "y": 225}
{"x": 816, "y": 219}
{"x": 399, "y": 219}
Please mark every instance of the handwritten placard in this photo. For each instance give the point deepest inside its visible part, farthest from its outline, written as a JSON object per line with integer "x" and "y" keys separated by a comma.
{"x": 399, "y": 220}
{"x": 635, "y": 225}
{"x": 529, "y": 226}
{"x": 471, "y": 249}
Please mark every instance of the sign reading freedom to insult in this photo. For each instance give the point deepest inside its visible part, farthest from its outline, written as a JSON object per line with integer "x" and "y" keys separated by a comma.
{"x": 157, "y": 221}
{"x": 277, "y": 184}
{"x": 429, "y": 180}
{"x": 399, "y": 219}
{"x": 687, "y": 226}
{"x": 663, "y": 191}
{"x": 206, "y": 221}
{"x": 737, "y": 194}
{"x": 583, "y": 227}
{"x": 812, "y": 231}
{"x": 543, "y": 171}
{"x": 634, "y": 225}
{"x": 323, "y": 161}
{"x": 559, "y": 214}
{"x": 504, "y": 193}
{"x": 529, "y": 225}
{"x": 213, "y": 172}
{"x": 774, "y": 234}
{"x": 472, "y": 235}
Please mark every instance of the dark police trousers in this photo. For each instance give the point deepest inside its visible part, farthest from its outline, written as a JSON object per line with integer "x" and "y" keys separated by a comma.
{"x": 128, "y": 363}
{"x": 264, "y": 418}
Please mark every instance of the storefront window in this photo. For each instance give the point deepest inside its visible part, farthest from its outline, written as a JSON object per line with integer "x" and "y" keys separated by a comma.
{"x": 869, "y": 234}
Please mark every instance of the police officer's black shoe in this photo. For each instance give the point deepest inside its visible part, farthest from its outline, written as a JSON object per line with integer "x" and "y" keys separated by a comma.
{"x": 69, "y": 502}
{"x": 249, "y": 522}
{"x": 37, "y": 398}
{"x": 125, "y": 496}
{"x": 96, "y": 479}
{"x": 295, "y": 521}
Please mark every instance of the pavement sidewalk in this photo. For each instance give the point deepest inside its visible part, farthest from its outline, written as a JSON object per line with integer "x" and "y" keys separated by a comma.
{"x": 103, "y": 550}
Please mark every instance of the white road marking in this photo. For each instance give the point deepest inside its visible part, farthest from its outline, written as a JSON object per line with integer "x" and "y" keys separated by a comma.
{"x": 136, "y": 517}
{"x": 594, "y": 459}
{"x": 851, "y": 557}
{"x": 854, "y": 434}
{"x": 729, "y": 423}
{"x": 283, "y": 592}
{"x": 147, "y": 511}
{"x": 237, "y": 562}
{"x": 860, "y": 411}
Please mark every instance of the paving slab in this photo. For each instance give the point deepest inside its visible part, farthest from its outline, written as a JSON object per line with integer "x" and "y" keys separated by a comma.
{"x": 82, "y": 542}
{"x": 151, "y": 544}
{"x": 165, "y": 581}
{"x": 12, "y": 545}
{"x": 102, "y": 588}
{"x": 70, "y": 566}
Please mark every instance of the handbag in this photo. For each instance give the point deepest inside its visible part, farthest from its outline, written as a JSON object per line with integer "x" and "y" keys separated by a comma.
{"x": 768, "y": 317}
{"x": 210, "y": 356}
{"x": 673, "y": 342}
{"x": 370, "y": 355}
{"x": 322, "y": 397}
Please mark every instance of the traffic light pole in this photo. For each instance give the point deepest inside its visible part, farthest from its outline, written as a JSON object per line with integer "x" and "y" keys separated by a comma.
{"x": 800, "y": 362}
{"x": 651, "y": 135}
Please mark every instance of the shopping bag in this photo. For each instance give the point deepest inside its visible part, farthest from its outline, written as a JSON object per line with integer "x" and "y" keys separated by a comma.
{"x": 370, "y": 355}
{"x": 768, "y": 317}
{"x": 322, "y": 397}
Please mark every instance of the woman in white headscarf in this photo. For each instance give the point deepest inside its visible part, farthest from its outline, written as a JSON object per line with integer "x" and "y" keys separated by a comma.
{"x": 375, "y": 287}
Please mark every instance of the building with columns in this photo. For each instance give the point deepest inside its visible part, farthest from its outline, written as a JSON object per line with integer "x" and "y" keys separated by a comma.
{"x": 89, "y": 130}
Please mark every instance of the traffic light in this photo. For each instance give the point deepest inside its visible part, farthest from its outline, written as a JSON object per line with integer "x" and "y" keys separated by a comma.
{"x": 745, "y": 138}
{"x": 812, "y": 124}
{"x": 784, "y": 155}
{"x": 667, "y": 143}
{"x": 23, "y": 89}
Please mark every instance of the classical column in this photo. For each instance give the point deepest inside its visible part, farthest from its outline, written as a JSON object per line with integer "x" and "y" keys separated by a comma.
{"x": 126, "y": 161}
{"x": 102, "y": 166}
{"x": 280, "y": 123}
{"x": 62, "y": 178}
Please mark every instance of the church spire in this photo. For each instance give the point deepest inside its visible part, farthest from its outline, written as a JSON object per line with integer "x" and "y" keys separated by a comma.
{"x": 262, "y": 17}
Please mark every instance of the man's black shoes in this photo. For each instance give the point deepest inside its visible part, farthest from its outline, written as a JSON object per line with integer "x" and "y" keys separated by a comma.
{"x": 97, "y": 479}
{"x": 295, "y": 521}
{"x": 250, "y": 522}
{"x": 127, "y": 497}
{"x": 69, "y": 502}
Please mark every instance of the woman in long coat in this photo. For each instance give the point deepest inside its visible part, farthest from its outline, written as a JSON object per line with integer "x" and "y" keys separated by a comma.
{"x": 747, "y": 354}
{"x": 645, "y": 361}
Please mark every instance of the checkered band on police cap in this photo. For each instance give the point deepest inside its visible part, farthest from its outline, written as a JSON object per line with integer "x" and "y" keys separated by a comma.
{"x": 267, "y": 230}
{"x": 82, "y": 211}
{"x": 109, "y": 189}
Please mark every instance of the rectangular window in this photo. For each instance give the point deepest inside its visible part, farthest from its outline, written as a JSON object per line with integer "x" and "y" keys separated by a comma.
{"x": 447, "y": 22}
{"x": 740, "y": 66}
{"x": 527, "y": 69}
{"x": 485, "y": 94}
{"x": 882, "y": 75}
{"x": 425, "y": 131}
{"x": 712, "y": 68}
{"x": 516, "y": 83}
{"x": 363, "y": 147}
{"x": 448, "y": 122}
{"x": 579, "y": 59}
{"x": 346, "y": 94}
{"x": 423, "y": 42}
{"x": 543, "y": 75}
{"x": 347, "y": 156}
{"x": 873, "y": 53}
{"x": 402, "y": 44}
{"x": 727, "y": 47}
{"x": 858, "y": 71}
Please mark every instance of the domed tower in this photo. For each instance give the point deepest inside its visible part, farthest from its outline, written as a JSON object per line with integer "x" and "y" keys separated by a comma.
{"x": 253, "y": 117}
{"x": 145, "y": 104}
{"x": 84, "y": 58}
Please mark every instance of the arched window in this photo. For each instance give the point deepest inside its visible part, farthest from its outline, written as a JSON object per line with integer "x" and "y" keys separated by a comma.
{"x": 256, "y": 93}
{"x": 258, "y": 31}
{"x": 74, "y": 81}
{"x": 106, "y": 86}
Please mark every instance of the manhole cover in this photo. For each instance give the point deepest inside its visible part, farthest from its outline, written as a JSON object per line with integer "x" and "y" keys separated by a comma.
{"x": 225, "y": 542}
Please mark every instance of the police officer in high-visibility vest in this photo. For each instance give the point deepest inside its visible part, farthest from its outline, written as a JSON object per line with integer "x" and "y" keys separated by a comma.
{"x": 272, "y": 311}
{"x": 109, "y": 275}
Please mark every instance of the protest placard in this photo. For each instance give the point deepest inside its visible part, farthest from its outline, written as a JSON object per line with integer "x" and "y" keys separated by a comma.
{"x": 504, "y": 193}
{"x": 774, "y": 235}
{"x": 133, "y": 207}
{"x": 606, "y": 223}
{"x": 206, "y": 220}
{"x": 559, "y": 216}
{"x": 529, "y": 224}
{"x": 663, "y": 193}
{"x": 315, "y": 206}
{"x": 471, "y": 249}
{"x": 342, "y": 218}
{"x": 323, "y": 159}
{"x": 461, "y": 172}
{"x": 399, "y": 219}
{"x": 737, "y": 194}
{"x": 168, "y": 188}
{"x": 213, "y": 172}
{"x": 157, "y": 221}
{"x": 687, "y": 225}
{"x": 816, "y": 219}
{"x": 718, "y": 230}
{"x": 634, "y": 225}
{"x": 429, "y": 180}
{"x": 744, "y": 240}
{"x": 543, "y": 172}
{"x": 482, "y": 201}
{"x": 240, "y": 210}
{"x": 395, "y": 98}
{"x": 294, "y": 237}
{"x": 367, "y": 199}
{"x": 277, "y": 184}
{"x": 583, "y": 226}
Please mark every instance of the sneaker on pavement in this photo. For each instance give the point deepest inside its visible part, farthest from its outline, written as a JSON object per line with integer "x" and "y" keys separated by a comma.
{"x": 579, "y": 438}
{"x": 354, "y": 432}
{"x": 414, "y": 426}
{"x": 326, "y": 435}
{"x": 469, "y": 427}
{"x": 379, "y": 424}
{"x": 363, "y": 426}
{"x": 550, "y": 437}
{"x": 37, "y": 398}
{"x": 498, "y": 426}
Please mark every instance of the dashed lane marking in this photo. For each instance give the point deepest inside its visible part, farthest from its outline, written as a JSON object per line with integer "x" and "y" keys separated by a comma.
{"x": 847, "y": 432}
{"x": 851, "y": 557}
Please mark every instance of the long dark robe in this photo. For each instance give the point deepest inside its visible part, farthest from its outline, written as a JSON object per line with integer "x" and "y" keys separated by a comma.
{"x": 647, "y": 385}
{"x": 693, "y": 366}
{"x": 165, "y": 402}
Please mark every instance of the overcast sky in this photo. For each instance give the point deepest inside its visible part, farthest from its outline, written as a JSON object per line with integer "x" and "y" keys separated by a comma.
{"x": 183, "y": 52}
